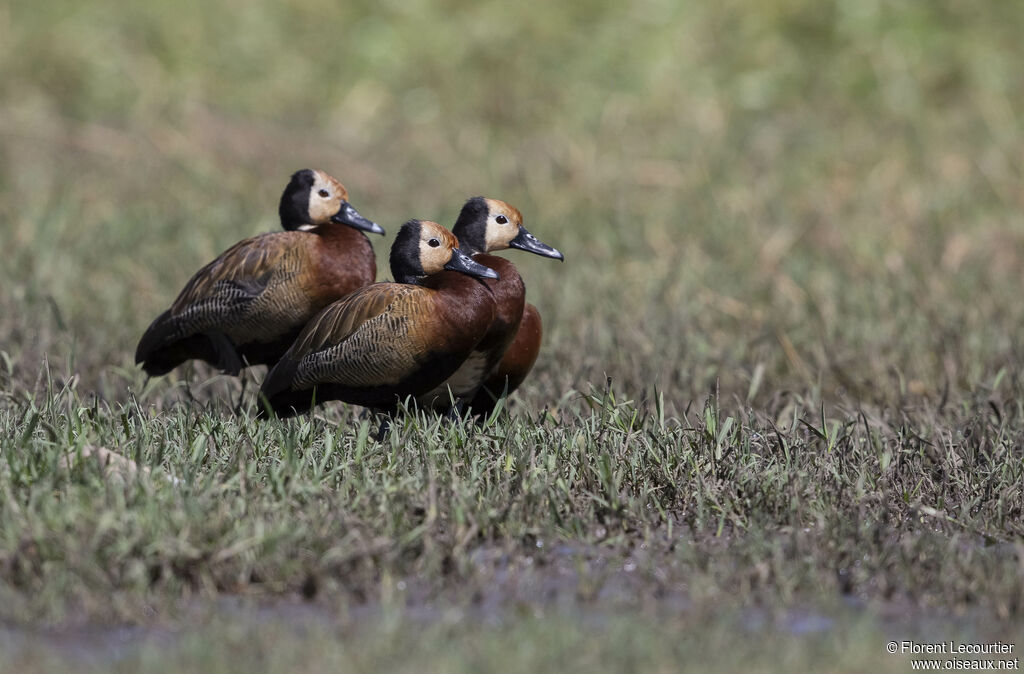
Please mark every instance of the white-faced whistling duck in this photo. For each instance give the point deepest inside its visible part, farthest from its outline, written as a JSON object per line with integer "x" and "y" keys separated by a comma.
{"x": 388, "y": 341}
{"x": 483, "y": 226}
{"x": 247, "y": 306}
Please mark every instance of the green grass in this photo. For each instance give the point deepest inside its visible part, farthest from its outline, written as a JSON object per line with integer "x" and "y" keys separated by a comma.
{"x": 865, "y": 506}
{"x": 793, "y": 234}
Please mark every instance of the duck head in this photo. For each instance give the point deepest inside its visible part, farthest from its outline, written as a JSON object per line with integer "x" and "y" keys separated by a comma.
{"x": 487, "y": 225}
{"x": 424, "y": 248}
{"x": 314, "y": 198}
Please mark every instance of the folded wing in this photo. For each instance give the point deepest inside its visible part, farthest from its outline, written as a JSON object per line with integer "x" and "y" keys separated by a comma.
{"x": 372, "y": 338}
{"x": 250, "y": 293}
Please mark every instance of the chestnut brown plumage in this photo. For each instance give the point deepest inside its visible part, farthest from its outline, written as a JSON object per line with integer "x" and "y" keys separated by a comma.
{"x": 247, "y": 306}
{"x": 388, "y": 341}
{"x": 486, "y": 225}
{"x": 515, "y": 364}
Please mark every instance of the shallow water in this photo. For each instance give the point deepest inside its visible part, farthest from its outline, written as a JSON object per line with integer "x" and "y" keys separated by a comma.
{"x": 586, "y": 586}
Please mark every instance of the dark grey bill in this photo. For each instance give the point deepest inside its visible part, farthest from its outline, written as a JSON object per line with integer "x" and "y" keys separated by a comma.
{"x": 348, "y": 215}
{"x": 528, "y": 242}
{"x": 467, "y": 265}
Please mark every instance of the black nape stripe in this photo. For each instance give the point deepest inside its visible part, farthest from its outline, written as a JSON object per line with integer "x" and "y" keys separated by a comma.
{"x": 294, "y": 207}
{"x": 471, "y": 227}
{"x": 406, "y": 266}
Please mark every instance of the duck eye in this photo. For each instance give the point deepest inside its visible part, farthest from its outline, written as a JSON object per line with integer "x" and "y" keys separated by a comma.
{"x": 433, "y": 243}
{"x": 501, "y": 220}
{"x": 324, "y": 193}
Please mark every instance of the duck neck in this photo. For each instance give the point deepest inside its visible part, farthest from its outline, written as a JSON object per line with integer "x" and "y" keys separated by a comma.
{"x": 470, "y": 227}
{"x": 407, "y": 272}
{"x": 470, "y": 241}
{"x": 342, "y": 234}
{"x": 411, "y": 279}
{"x": 463, "y": 301}
{"x": 456, "y": 283}
{"x": 346, "y": 243}
{"x": 293, "y": 223}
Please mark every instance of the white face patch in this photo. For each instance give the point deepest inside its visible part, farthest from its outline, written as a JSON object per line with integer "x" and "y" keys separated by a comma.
{"x": 433, "y": 258}
{"x": 436, "y": 245}
{"x": 325, "y": 197}
{"x": 503, "y": 223}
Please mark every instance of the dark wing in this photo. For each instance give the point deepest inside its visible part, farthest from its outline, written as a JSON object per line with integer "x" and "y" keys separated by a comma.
{"x": 339, "y": 320}
{"x": 376, "y": 336}
{"x": 240, "y": 273}
{"x": 218, "y": 299}
{"x": 221, "y": 296}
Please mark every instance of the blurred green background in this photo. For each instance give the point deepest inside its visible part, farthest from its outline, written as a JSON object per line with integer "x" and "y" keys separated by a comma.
{"x": 754, "y": 196}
